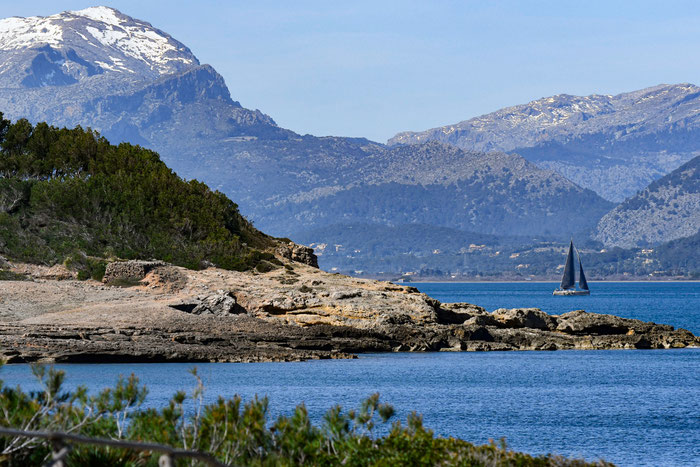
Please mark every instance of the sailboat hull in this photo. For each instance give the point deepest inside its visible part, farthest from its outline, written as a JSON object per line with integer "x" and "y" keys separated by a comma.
{"x": 571, "y": 292}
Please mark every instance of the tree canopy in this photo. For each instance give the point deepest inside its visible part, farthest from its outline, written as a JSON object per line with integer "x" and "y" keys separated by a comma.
{"x": 67, "y": 193}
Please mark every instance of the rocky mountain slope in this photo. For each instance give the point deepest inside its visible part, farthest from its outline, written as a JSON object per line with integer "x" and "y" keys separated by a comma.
{"x": 667, "y": 209}
{"x": 438, "y": 184}
{"x": 158, "y": 95}
{"x": 100, "y": 68}
{"x": 613, "y": 145}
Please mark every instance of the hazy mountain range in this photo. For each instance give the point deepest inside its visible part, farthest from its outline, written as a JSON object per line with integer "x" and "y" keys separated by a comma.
{"x": 527, "y": 170}
{"x": 614, "y": 145}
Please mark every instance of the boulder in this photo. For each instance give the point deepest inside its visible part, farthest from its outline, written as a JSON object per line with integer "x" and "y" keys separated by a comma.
{"x": 458, "y": 313}
{"x": 129, "y": 271}
{"x": 299, "y": 253}
{"x": 579, "y": 322}
{"x": 525, "y": 318}
{"x": 220, "y": 303}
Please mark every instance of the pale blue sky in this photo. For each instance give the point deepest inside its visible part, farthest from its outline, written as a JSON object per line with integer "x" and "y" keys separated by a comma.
{"x": 373, "y": 68}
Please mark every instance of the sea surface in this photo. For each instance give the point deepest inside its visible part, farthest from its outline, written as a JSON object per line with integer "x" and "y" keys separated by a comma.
{"x": 631, "y": 407}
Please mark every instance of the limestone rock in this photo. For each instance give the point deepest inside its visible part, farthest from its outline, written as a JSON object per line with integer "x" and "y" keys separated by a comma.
{"x": 129, "y": 271}
{"x": 36, "y": 271}
{"x": 218, "y": 315}
{"x": 299, "y": 253}
{"x": 525, "y": 318}
{"x": 458, "y": 313}
{"x": 579, "y": 323}
{"x": 220, "y": 303}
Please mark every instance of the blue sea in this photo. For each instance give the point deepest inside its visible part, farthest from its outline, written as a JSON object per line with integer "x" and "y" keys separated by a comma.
{"x": 674, "y": 303}
{"x": 630, "y": 407}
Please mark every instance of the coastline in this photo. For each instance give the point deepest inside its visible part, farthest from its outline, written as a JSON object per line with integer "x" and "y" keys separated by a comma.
{"x": 291, "y": 313}
{"x": 427, "y": 281}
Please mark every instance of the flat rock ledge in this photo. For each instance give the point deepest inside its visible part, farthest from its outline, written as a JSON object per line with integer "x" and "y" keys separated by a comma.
{"x": 297, "y": 312}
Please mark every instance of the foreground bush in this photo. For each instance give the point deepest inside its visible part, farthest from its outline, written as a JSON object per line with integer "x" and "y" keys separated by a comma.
{"x": 235, "y": 433}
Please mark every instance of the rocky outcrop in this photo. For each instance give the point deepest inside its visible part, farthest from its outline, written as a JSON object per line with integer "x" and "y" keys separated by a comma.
{"x": 250, "y": 341}
{"x": 300, "y": 253}
{"x": 37, "y": 271}
{"x": 289, "y": 313}
{"x": 129, "y": 271}
{"x": 220, "y": 304}
{"x": 532, "y": 318}
{"x": 458, "y": 313}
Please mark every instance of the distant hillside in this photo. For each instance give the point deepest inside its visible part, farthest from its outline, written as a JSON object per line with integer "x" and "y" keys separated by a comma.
{"x": 613, "y": 145}
{"x": 680, "y": 256}
{"x": 415, "y": 252}
{"x": 69, "y": 196}
{"x": 667, "y": 209}
{"x": 375, "y": 248}
{"x": 438, "y": 184}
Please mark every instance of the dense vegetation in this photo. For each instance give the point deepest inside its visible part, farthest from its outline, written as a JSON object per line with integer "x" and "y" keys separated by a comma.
{"x": 68, "y": 195}
{"x": 236, "y": 433}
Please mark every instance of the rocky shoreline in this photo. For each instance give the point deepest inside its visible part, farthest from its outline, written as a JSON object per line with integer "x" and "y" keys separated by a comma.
{"x": 156, "y": 312}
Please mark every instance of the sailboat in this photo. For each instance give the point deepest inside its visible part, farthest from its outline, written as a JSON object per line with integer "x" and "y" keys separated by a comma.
{"x": 568, "y": 280}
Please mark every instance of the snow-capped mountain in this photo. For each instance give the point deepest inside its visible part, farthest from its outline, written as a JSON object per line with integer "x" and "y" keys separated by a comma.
{"x": 73, "y": 46}
{"x": 102, "y": 69}
{"x": 614, "y": 145}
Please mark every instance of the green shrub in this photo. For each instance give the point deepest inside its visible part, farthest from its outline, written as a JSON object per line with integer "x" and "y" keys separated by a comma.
{"x": 68, "y": 193}
{"x": 234, "y": 432}
{"x": 6, "y": 275}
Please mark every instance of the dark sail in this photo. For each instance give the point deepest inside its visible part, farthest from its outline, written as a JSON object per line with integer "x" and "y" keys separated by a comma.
{"x": 568, "y": 280}
{"x": 581, "y": 276}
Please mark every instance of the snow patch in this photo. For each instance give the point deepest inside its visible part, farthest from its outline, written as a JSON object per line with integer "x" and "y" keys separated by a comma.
{"x": 106, "y": 66}
{"x": 18, "y": 33}
{"x": 102, "y": 14}
{"x": 101, "y": 27}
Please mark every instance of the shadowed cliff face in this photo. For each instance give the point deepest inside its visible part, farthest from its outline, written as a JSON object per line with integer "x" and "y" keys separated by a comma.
{"x": 192, "y": 105}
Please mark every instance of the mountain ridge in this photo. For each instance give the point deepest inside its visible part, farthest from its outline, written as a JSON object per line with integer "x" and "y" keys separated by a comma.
{"x": 481, "y": 192}
{"x": 614, "y": 145}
